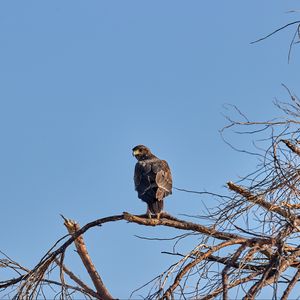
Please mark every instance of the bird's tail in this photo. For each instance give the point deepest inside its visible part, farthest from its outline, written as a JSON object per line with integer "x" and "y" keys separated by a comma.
{"x": 156, "y": 207}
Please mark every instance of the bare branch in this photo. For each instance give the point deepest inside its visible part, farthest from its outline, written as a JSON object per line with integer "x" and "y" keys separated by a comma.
{"x": 290, "y": 286}
{"x": 102, "y": 291}
{"x": 294, "y": 148}
{"x": 83, "y": 286}
{"x": 256, "y": 199}
{"x": 275, "y": 31}
{"x": 180, "y": 275}
{"x": 169, "y": 221}
{"x": 231, "y": 261}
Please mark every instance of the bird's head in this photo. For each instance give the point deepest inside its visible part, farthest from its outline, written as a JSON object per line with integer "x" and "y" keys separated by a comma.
{"x": 141, "y": 152}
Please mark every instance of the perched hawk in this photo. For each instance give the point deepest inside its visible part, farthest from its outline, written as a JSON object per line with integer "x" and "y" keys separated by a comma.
{"x": 152, "y": 179}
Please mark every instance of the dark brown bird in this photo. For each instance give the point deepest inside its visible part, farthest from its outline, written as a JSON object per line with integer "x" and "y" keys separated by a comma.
{"x": 152, "y": 179}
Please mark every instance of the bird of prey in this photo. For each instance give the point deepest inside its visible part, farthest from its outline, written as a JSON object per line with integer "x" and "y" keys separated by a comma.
{"x": 152, "y": 179}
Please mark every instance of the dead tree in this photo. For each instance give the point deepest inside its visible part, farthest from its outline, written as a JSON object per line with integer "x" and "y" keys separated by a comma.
{"x": 251, "y": 244}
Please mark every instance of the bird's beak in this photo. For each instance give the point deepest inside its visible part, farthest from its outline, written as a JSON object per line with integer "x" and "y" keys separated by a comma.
{"x": 135, "y": 152}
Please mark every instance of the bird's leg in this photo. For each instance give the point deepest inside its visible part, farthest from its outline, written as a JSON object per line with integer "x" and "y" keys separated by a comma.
{"x": 148, "y": 213}
{"x": 158, "y": 216}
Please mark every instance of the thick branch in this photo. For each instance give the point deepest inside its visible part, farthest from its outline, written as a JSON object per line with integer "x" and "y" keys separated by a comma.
{"x": 102, "y": 291}
{"x": 169, "y": 221}
{"x": 291, "y": 286}
{"x": 259, "y": 200}
{"x": 291, "y": 146}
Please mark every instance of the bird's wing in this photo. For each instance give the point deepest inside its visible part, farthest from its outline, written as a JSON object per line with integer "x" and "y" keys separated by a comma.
{"x": 163, "y": 179}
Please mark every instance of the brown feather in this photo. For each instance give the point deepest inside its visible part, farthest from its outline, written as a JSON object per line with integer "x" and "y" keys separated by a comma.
{"x": 152, "y": 178}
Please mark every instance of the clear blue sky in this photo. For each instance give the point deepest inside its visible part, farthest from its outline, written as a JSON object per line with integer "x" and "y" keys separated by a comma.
{"x": 82, "y": 82}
